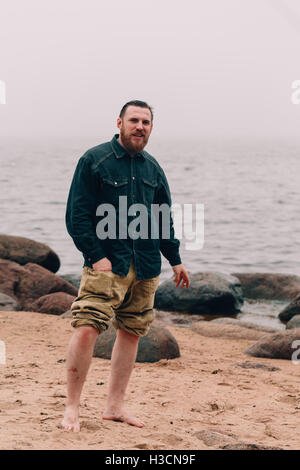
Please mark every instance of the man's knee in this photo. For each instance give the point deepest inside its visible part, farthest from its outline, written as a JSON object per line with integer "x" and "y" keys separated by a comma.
{"x": 86, "y": 334}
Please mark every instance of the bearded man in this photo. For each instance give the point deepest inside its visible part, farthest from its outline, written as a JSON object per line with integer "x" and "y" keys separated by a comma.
{"x": 120, "y": 273}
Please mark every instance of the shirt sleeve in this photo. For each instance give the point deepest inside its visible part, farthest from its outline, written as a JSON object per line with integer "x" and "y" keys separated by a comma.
{"x": 81, "y": 211}
{"x": 169, "y": 247}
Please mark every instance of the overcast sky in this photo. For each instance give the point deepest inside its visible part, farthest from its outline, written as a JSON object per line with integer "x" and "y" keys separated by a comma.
{"x": 208, "y": 67}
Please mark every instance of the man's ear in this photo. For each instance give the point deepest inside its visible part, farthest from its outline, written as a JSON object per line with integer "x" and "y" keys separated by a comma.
{"x": 119, "y": 122}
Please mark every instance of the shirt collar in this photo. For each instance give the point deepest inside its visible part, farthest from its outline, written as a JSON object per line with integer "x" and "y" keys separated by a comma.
{"x": 120, "y": 151}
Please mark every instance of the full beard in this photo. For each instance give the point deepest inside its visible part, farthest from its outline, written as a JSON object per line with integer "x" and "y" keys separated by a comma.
{"x": 132, "y": 146}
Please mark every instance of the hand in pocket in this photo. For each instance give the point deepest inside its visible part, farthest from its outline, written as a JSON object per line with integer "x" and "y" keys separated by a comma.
{"x": 102, "y": 265}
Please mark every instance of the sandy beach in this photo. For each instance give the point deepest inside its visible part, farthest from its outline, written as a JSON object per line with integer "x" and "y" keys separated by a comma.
{"x": 206, "y": 399}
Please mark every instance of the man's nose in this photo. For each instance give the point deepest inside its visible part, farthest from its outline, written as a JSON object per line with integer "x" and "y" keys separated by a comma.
{"x": 139, "y": 125}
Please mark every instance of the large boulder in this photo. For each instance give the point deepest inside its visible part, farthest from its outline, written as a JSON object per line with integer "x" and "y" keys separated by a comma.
{"x": 280, "y": 345}
{"x": 290, "y": 310}
{"x": 8, "y": 303}
{"x": 293, "y": 322}
{"x": 27, "y": 283}
{"x": 54, "y": 304}
{"x": 269, "y": 286}
{"x": 208, "y": 294}
{"x": 23, "y": 250}
{"x": 158, "y": 344}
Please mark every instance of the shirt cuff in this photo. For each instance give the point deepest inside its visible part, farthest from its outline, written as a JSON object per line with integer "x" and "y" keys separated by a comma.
{"x": 94, "y": 256}
{"x": 175, "y": 260}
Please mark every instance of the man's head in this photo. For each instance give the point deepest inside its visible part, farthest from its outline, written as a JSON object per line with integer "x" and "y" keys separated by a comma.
{"x": 135, "y": 123}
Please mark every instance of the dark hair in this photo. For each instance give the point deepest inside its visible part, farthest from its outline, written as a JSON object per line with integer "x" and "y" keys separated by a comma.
{"x": 141, "y": 104}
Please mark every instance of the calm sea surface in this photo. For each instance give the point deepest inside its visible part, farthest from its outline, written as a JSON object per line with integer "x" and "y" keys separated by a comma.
{"x": 250, "y": 191}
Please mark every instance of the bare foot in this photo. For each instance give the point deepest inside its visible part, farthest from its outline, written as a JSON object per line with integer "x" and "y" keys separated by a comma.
{"x": 71, "y": 419}
{"x": 124, "y": 417}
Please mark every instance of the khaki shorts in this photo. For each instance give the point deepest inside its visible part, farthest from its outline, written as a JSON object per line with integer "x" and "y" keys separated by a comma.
{"x": 104, "y": 295}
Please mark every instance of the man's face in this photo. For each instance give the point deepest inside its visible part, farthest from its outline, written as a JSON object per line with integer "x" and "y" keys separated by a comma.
{"x": 135, "y": 128}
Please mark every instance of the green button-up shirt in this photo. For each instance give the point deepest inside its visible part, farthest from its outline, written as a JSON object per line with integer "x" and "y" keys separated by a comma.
{"x": 103, "y": 174}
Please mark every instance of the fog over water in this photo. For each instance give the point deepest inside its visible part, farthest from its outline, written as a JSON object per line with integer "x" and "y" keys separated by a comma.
{"x": 209, "y": 68}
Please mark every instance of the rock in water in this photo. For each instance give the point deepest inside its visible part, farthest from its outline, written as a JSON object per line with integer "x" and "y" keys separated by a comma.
{"x": 208, "y": 294}
{"x": 27, "y": 283}
{"x": 280, "y": 345}
{"x": 290, "y": 310}
{"x": 269, "y": 286}
{"x": 23, "y": 250}
{"x": 8, "y": 303}
{"x": 158, "y": 344}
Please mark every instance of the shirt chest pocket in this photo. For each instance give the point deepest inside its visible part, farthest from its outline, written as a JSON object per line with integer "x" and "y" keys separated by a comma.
{"x": 149, "y": 187}
{"x": 112, "y": 189}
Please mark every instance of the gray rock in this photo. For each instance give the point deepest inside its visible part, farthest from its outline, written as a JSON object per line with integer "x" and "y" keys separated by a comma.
{"x": 73, "y": 279}
{"x": 67, "y": 314}
{"x": 290, "y": 310}
{"x": 269, "y": 286}
{"x": 8, "y": 303}
{"x": 293, "y": 323}
{"x": 24, "y": 250}
{"x": 276, "y": 346}
{"x": 247, "y": 446}
{"x": 158, "y": 344}
{"x": 209, "y": 294}
{"x": 257, "y": 365}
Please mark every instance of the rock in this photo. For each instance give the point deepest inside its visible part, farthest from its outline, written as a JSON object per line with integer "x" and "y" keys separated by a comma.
{"x": 276, "y": 346}
{"x": 209, "y": 294}
{"x": 247, "y": 446}
{"x": 23, "y": 250}
{"x": 67, "y": 314}
{"x": 215, "y": 438}
{"x": 73, "y": 279}
{"x": 290, "y": 310}
{"x": 293, "y": 323}
{"x": 256, "y": 365}
{"x": 8, "y": 303}
{"x": 227, "y": 441}
{"x": 27, "y": 283}
{"x": 54, "y": 304}
{"x": 215, "y": 330}
{"x": 158, "y": 344}
{"x": 269, "y": 286}
{"x": 245, "y": 324}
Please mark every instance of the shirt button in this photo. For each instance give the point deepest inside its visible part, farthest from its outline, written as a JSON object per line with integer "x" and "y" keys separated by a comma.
{"x": 133, "y": 178}
{"x": 116, "y": 182}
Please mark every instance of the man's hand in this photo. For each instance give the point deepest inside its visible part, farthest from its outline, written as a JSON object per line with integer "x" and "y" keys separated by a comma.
{"x": 181, "y": 275}
{"x": 102, "y": 265}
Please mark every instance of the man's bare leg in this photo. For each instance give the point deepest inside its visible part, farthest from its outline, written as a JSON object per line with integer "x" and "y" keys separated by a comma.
{"x": 122, "y": 362}
{"x": 79, "y": 355}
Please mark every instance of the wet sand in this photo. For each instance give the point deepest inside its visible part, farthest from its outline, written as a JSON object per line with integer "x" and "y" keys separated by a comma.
{"x": 202, "y": 400}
